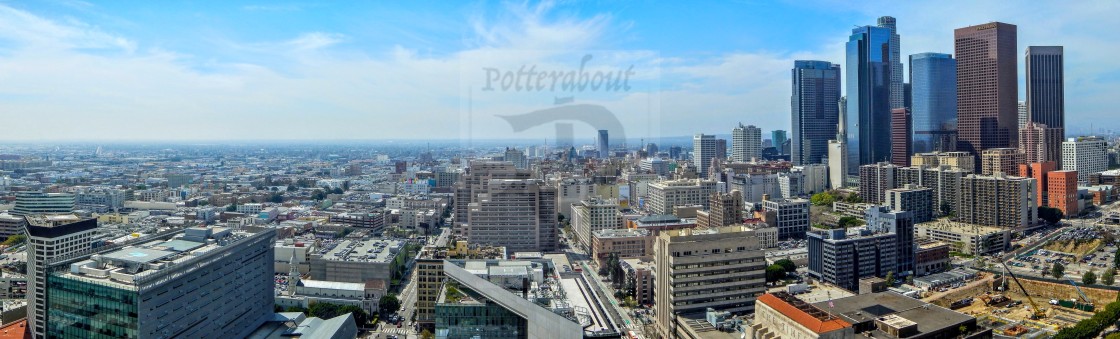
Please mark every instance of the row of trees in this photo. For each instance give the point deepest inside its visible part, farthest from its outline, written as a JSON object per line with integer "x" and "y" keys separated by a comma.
{"x": 779, "y": 270}
{"x": 1090, "y": 328}
{"x": 826, "y": 198}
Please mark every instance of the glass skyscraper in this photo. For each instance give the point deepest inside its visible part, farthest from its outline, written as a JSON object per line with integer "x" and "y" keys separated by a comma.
{"x": 933, "y": 82}
{"x": 1045, "y": 86}
{"x": 869, "y": 96}
{"x": 816, "y": 90}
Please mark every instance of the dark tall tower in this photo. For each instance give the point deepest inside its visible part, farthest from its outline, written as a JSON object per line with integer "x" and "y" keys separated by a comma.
{"x": 933, "y": 82}
{"x": 816, "y": 89}
{"x": 869, "y": 97}
{"x": 1046, "y": 102}
{"x": 901, "y": 130}
{"x": 987, "y": 87}
{"x": 604, "y": 144}
{"x": 894, "y": 60}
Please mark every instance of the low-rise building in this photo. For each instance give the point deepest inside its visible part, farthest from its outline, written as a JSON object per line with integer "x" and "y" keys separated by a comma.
{"x": 359, "y": 261}
{"x": 627, "y": 243}
{"x": 931, "y": 257}
{"x": 966, "y": 238}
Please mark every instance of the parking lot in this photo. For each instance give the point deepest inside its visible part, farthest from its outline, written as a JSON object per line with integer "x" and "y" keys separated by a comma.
{"x": 1076, "y": 262}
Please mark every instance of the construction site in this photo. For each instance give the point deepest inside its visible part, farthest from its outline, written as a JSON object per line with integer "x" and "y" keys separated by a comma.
{"x": 998, "y": 301}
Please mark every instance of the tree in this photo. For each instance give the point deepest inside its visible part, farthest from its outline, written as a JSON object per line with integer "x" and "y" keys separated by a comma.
{"x": 389, "y": 304}
{"x": 823, "y": 199}
{"x": 787, "y": 264}
{"x": 560, "y": 217}
{"x": 276, "y": 198}
{"x": 775, "y": 273}
{"x": 1058, "y": 271}
{"x": 14, "y": 240}
{"x": 1050, "y": 214}
{"x": 292, "y": 188}
{"x": 1109, "y": 276}
{"x": 360, "y": 316}
{"x": 853, "y": 199}
{"x": 231, "y": 208}
{"x": 295, "y": 309}
{"x": 1116, "y": 258}
{"x": 890, "y": 278}
{"x": 849, "y": 221}
{"x": 338, "y": 190}
{"x": 425, "y": 334}
{"x": 1089, "y": 278}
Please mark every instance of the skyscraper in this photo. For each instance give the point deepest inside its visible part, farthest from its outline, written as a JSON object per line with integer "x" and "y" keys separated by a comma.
{"x": 778, "y": 138}
{"x": 1024, "y": 115}
{"x": 703, "y": 150}
{"x": 1086, "y": 155}
{"x": 604, "y": 145}
{"x": 1045, "y": 88}
{"x": 987, "y": 87}
{"x": 816, "y": 89}
{"x": 869, "y": 96}
{"x": 51, "y": 238}
{"x": 746, "y": 143}
{"x": 933, "y": 82}
{"x": 901, "y": 129}
{"x": 1041, "y": 143}
{"x": 897, "y": 87}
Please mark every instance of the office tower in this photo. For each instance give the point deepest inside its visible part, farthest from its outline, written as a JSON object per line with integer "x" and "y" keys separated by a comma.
{"x": 778, "y": 138}
{"x": 958, "y": 160}
{"x": 912, "y": 198}
{"x": 50, "y": 238}
{"x": 36, "y": 202}
{"x": 894, "y": 61}
{"x": 200, "y": 283}
{"x": 874, "y": 179}
{"x": 1045, "y": 86}
{"x": 987, "y": 87}
{"x": 1061, "y": 191}
{"x": 790, "y": 216}
{"x": 755, "y": 186}
{"x": 518, "y": 158}
{"x": 841, "y": 259}
{"x": 1041, "y": 143}
{"x": 1086, "y": 155}
{"x": 882, "y": 219}
{"x": 675, "y": 152}
{"x": 816, "y": 89}
{"x": 814, "y": 178}
{"x": 901, "y": 130}
{"x": 604, "y": 144}
{"x": 651, "y": 149}
{"x": 724, "y": 209}
{"x": 945, "y": 182}
{"x": 933, "y": 81}
{"x": 746, "y": 143}
{"x": 725, "y": 268}
{"x": 999, "y": 200}
{"x": 1024, "y": 115}
{"x": 909, "y": 93}
{"x": 475, "y": 183}
{"x": 1001, "y": 160}
{"x": 837, "y": 164}
{"x": 1040, "y": 172}
{"x": 869, "y": 96}
{"x": 721, "y": 149}
{"x": 665, "y": 195}
{"x": 593, "y": 215}
{"x": 519, "y": 214}
{"x": 704, "y": 148}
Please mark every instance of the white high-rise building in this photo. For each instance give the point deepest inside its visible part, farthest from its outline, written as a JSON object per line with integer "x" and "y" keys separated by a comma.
{"x": 664, "y": 196}
{"x": 1086, "y": 155}
{"x": 703, "y": 150}
{"x": 592, "y": 215}
{"x": 815, "y": 178}
{"x": 746, "y": 143}
{"x": 50, "y": 238}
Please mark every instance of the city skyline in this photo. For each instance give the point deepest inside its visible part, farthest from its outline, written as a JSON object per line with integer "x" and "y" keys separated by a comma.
{"x": 328, "y": 72}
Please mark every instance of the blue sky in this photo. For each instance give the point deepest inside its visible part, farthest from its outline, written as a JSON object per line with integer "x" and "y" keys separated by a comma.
{"x": 75, "y": 70}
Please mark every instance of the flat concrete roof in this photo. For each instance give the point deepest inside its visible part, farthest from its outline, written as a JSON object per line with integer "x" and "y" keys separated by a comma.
{"x": 867, "y": 307}
{"x": 138, "y": 255}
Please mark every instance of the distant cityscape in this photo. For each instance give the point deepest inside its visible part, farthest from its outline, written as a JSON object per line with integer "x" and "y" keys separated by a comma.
{"x": 925, "y": 201}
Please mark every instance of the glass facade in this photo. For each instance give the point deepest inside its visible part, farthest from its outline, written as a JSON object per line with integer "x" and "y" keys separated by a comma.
{"x": 815, "y": 113}
{"x": 869, "y": 96}
{"x": 933, "y": 81}
{"x": 78, "y": 309}
{"x": 478, "y": 320}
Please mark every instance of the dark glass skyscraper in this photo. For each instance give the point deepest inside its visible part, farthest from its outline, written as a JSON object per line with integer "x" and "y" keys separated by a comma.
{"x": 987, "y": 87}
{"x": 869, "y": 96}
{"x": 1045, "y": 90}
{"x": 778, "y": 138}
{"x": 894, "y": 57}
{"x": 933, "y": 83}
{"x": 816, "y": 90}
{"x": 604, "y": 144}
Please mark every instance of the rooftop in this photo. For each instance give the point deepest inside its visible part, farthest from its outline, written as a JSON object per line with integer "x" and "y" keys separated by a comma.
{"x": 867, "y": 307}
{"x": 367, "y": 250}
{"x": 803, "y": 313}
{"x": 944, "y": 224}
{"x": 620, "y": 233}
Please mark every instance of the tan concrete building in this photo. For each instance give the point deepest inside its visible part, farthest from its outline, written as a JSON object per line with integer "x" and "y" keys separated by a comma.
{"x": 665, "y": 195}
{"x": 956, "y": 160}
{"x": 519, "y": 214}
{"x": 724, "y": 209}
{"x": 593, "y": 215}
{"x": 719, "y": 268}
{"x": 1001, "y": 160}
{"x": 999, "y": 200}
{"x": 628, "y": 243}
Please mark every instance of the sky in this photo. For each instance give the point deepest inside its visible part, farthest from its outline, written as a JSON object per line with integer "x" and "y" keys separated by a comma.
{"x": 435, "y": 70}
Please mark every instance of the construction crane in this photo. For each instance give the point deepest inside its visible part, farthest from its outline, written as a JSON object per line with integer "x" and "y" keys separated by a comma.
{"x": 1083, "y": 296}
{"x": 1038, "y": 313}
